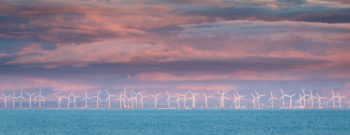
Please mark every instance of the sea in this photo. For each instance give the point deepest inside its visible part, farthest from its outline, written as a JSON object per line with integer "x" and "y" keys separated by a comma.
{"x": 174, "y": 122}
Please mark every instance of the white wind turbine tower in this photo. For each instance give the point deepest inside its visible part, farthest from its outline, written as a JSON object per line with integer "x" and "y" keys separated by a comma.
{"x": 131, "y": 99}
{"x": 97, "y": 99}
{"x": 339, "y": 100}
{"x": 86, "y": 98}
{"x": 311, "y": 99}
{"x": 258, "y": 96}
{"x": 168, "y": 99}
{"x": 194, "y": 100}
{"x": 136, "y": 100}
{"x": 185, "y": 98}
{"x": 30, "y": 98}
{"x": 333, "y": 98}
{"x": 13, "y": 97}
{"x": 68, "y": 100}
{"x": 120, "y": 99}
{"x": 141, "y": 98}
{"x": 5, "y": 99}
{"x": 290, "y": 100}
{"x": 238, "y": 98}
{"x": 134, "y": 97}
{"x": 108, "y": 99}
{"x": 206, "y": 100}
{"x": 21, "y": 99}
{"x": 124, "y": 99}
{"x": 234, "y": 100}
{"x": 40, "y": 98}
{"x": 282, "y": 98}
{"x": 319, "y": 98}
{"x": 155, "y": 96}
{"x": 222, "y": 99}
{"x": 299, "y": 101}
{"x": 253, "y": 100}
{"x": 59, "y": 100}
{"x": 74, "y": 99}
{"x": 271, "y": 99}
{"x": 178, "y": 100}
{"x": 304, "y": 98}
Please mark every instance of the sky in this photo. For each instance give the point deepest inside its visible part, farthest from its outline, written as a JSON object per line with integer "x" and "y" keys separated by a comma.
{"x": 175, "y": 45}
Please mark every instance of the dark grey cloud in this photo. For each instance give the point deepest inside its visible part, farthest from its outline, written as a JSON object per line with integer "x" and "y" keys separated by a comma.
{"x": 259, "y": 64}
{"x": 295, "y": 13}
{"x": 294, "y": 2}
{"x": 62, "y": 22}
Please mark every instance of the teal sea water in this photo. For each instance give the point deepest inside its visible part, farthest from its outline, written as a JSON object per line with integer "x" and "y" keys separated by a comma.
{"x": 174, "y": 122}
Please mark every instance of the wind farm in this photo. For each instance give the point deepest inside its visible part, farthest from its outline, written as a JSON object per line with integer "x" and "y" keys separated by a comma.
{"x": 107, "y": 99}
{"x": 174, "y": 67}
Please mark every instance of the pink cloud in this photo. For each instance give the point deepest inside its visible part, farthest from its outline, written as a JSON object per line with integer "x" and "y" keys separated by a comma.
{"x": 91, "y": 22}
{"x": 239, "y": 75}
{"x": 208, "y": 87}
{"x": 56, "y": 85}
{"x": 108, "y": 52}
{"x": 3, "y": 54}
{"x": 185, "y": 87}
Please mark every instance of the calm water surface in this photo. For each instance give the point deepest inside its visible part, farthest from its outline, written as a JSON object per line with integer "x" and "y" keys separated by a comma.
{"x": 174, "y": 122}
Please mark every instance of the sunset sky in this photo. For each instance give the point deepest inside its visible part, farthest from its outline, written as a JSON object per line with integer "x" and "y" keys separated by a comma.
{"x": 158, "y": 45}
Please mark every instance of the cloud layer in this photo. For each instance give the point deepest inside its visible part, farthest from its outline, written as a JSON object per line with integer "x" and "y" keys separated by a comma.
{"x": 211, "y": 44}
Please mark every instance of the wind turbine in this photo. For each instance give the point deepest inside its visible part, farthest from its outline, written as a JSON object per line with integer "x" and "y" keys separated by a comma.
{"x": 194, "y": 100}
{"x": 185, "y": 98}
{"x": 59, "y": 100}
{"x": 155, "y": 96}
{"x": 124, "y": 99}
{"x": 120, "y": 99}
{"x": 253, "y": 100}
{"x": 30, "y": 98}
{"x": 131, "y": 99}
{"x": 178, "y": 100}
{"x": 339, "y": 100}
{"x": 168, "y": 99}
{"x": 222, "y": 99}
{"x": 290, "y": 100}
{"x": 311, "y": 99}
{"x": 13, "y": 97}
{"x": 74, "y": 99}
{"x": 5, "y": 99}
{"x": 40, "y": 98}
{"x": 234, "y": 100}
{"x": 68, "y": 100}
{"x": 304, "y": 98}
{"x": 206, "y": 100}
{"x": 258, "y": 96}
{"x": 21, "y": 99}
{"x": 86, "y": 98}
{"x": 134, "y": 97}
{"x": 300, "y": 101}
{"x": 98, "y": 99}
{"x": 271, "y": 99}
{"x": 319, "y": 98}
{"x": 333, "y": 98}
{"x": 141, "y": 98}
{"x": 238, "y": 99}
{"x": 108, "y": 99}
{"x": 282, "y": 98}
